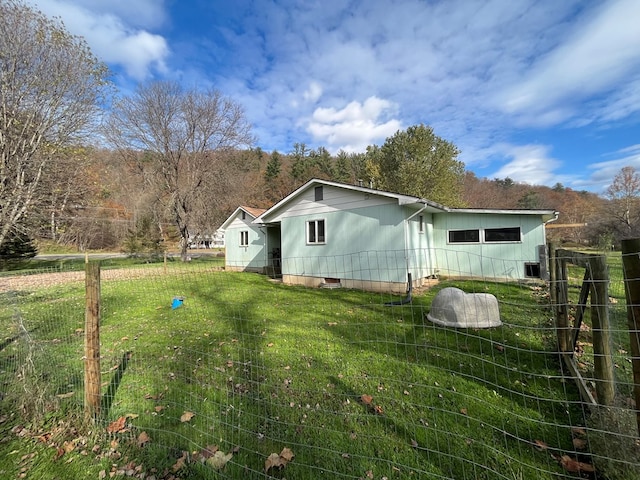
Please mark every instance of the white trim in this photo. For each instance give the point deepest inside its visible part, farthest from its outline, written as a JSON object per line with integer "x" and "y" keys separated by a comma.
{"x": 306, "y": 231}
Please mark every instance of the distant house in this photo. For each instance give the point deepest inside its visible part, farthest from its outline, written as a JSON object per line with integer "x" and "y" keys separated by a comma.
{"x": 244, "y": 241}
{"x": 328, "y": 233}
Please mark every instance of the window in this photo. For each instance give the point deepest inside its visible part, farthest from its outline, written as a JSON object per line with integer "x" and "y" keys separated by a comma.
{"x": 421, "y": 224}
{"x": 318, "y": 193}
{"x": 502, "y": 234}
{"x": 532, "y": 270}
{"x": 244, "y": 238}
{"x": 464, "y": 236}
{"x": 315, "y": 232}
{"x": 244, "y": 215}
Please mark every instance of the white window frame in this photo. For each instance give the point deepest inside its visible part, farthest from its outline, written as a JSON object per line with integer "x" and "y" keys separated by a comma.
{"x": 482, "y": 232}
{"x": 244, "y": 238}
{"x": 316, "y": 222}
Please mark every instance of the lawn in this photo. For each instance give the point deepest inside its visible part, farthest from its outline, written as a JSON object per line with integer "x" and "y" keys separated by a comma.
{"x": 332, "y": 381}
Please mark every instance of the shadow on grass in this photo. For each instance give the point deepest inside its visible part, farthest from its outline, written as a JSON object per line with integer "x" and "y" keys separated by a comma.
{"x": 110, "y": 394}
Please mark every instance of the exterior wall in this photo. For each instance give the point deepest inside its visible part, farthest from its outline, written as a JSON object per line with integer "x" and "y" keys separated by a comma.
{"x": 244, "y": 258}
{"x": 366, "y": 239}
{"x": 504, "y": 260}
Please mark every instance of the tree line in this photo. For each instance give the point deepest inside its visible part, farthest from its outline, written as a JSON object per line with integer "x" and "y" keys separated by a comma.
{"x": 83, "y": 165}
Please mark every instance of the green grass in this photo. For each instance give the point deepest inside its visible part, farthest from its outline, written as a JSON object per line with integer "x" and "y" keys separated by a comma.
{"x": 265, "y": 366}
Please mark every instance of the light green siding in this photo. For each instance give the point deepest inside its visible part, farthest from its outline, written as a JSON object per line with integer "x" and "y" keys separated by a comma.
{"x": 366, "y": 243}
{"x": 251, "y": 257}
{"x": 487, "y": 260}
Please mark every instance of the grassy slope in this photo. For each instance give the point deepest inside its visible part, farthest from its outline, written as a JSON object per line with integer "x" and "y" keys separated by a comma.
{"x": 265, "y": 366}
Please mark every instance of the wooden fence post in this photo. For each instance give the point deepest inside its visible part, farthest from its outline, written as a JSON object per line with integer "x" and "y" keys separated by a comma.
{"x": 601, "y": 331}
{"x": 553, "y": 285}
{"x": 92, "y": 340}
{"x": 631, "y": 269}
{"x": 562, "y": 310}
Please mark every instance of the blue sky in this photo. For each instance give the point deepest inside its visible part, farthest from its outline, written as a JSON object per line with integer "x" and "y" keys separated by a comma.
{"x": 541, "y": 91}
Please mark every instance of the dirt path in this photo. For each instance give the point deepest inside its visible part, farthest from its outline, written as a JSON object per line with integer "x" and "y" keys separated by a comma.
{"x": 43, "y": 280}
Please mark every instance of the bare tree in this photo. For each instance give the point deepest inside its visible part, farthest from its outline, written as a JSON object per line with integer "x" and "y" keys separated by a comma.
{"x": 624, "y": 193}
{"x": 185, "y": 133}
{"x": 50, "y": 89}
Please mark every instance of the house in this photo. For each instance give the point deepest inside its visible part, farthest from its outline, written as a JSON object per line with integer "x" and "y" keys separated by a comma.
{"x": 244, "y": 241}
{"x": 328, "y": 233}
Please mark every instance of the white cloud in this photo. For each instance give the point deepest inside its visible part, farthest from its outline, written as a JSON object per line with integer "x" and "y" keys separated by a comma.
{"x": 592, "y": 60}
{"x": 529, "y": 164}
{"x": 355, "y": 126}
{"x": 313, "y": 93}
{"x": 604, "y": 172}
{"x": 110, "y": 38}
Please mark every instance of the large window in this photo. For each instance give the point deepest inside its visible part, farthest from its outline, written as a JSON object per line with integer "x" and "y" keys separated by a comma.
{"x": 244, "y": 238}
{"x": 464, "y": 236}
{"x": 489, "y": 235}
{"x": 502, "y": 234}
{"x": 315, "y": 232}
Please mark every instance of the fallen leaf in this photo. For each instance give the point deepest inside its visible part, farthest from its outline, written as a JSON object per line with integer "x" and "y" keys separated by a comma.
{"x": 66, "y": 395}
{"x": 574, "y": 466}
{"x": 69, "y": 446}
{"x": 181, "y": 462}
{"x": 579, "y": 443}
{"x": 270, "y": 344}
{"x": 463, "y": 411}
{"x": 187, "y": 416}
{"x": 158, "y": 408}
{"x": 578, "y": 431}
{"x": 278, "y": 460}
{"x": 219, "y": 460}
{"x": 499, "y": 347}
{"x": 208, "y": 451}
{"x": 272, "y": 460}
{"x": 117, "y": 425}
{"x": 414, "y": 444}
{"x": 143, "y": 439}
{"x": 287, "y": 454}
{"x": 59, "y": 453}
{"x": 540, "y": 445}
{"x": 366, "y": 399}
{"x": 378, "y": 409}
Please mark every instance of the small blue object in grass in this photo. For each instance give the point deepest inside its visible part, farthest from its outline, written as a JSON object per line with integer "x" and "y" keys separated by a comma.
{"x": 176, "y": 302}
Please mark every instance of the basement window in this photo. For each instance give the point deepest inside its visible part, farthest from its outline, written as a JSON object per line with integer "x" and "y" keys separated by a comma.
{"x": 532, "y": 270}
{"x": 315, "y": 232}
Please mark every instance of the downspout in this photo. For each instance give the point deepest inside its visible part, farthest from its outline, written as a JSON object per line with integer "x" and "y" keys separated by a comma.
{"x": 265, "y": 249}
{"x": 406, "y": 233}
{"x": 407, "y": 299}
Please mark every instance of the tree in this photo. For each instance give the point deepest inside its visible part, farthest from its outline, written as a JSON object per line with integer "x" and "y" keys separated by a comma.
{"x": 417, "y": 162}
{"x": 187, "y": 134}
{"x": 16, "y": 249}
{"x": 624, "y": 196}
{"x": 273, "y": 167}
{"x": 50, "y": 88}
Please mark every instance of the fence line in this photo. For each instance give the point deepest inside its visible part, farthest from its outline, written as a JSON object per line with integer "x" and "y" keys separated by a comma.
{"x": 251, "y": 377}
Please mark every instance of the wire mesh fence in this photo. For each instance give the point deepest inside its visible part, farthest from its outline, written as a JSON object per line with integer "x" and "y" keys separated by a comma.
{"x": 207, "y": 373}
